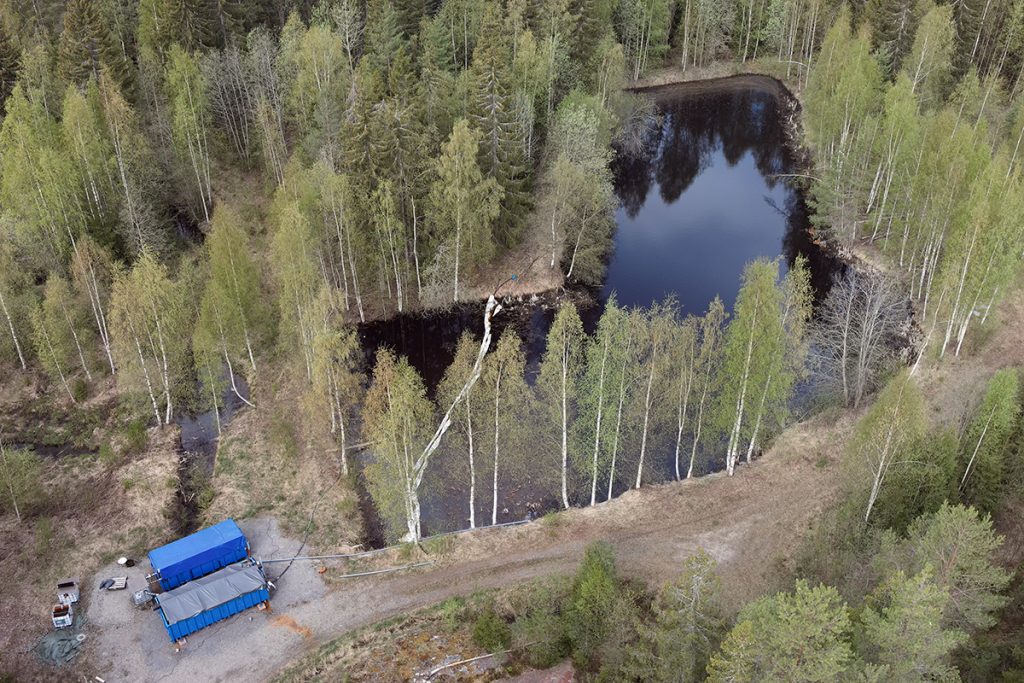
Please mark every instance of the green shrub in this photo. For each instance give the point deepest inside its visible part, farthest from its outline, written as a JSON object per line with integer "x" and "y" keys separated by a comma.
{"x": 593, "y": 599}
{"x": 491, "y": 632}
{"x": 541, "y": 634}
{"x": 282, "y": 437}
{"x": 452, "y": 612}
{"x": 135, "y": 437}
{"x": 107, "y": 454}
{"x": 440, "y": 546}
{"x": 80, "y": 389}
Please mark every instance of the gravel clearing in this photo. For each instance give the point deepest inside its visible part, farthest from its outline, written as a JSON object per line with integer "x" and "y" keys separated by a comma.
{"x": 131, "y": 644}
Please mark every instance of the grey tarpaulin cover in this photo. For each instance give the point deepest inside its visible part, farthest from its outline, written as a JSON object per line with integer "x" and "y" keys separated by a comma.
{"x": 207, "y": 592}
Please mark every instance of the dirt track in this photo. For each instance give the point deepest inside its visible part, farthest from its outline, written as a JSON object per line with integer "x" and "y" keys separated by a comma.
{"x": 749, "y": 522}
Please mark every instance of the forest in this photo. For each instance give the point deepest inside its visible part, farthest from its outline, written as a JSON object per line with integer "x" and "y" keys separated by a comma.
{"x": 198, "y": 198}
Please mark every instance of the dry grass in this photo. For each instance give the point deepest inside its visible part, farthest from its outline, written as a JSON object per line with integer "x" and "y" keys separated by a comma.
{"x": 95, "y": 513}
{"x": 280, "y": 460}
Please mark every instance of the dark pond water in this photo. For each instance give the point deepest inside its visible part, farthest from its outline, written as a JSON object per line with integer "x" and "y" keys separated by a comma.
{"x": 708, "y": 194}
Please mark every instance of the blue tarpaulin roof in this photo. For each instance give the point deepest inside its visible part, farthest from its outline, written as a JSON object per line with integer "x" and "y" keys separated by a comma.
{"x": 206, "y": 545}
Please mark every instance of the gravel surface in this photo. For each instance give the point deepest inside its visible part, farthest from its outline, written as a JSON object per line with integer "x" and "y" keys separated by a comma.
{"x": 132, "y": 645}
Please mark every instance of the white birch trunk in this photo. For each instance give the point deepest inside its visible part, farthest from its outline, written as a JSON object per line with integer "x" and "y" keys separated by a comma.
{"x": 597, "y": 428}
{"x": 497, "y": 431}
{"x": 14, "y": 335}
{"x": 472, "y": 465}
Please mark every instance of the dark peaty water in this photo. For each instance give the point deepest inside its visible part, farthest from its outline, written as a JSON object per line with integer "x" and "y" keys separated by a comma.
{"x": 708, "y": 194}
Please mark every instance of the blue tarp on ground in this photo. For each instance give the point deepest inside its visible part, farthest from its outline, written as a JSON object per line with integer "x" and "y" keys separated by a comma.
{"x": 199, "y": 554}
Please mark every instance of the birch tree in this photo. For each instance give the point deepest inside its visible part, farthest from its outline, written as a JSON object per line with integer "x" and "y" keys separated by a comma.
{"x": 855, "y": 334}
{"x": 64, "y": 324}
{"x": 85, "y": 136}
{"x": 190, "y": 115}
{"x": 788, "y": 364}
{"x": 464, "y": 203}
{"x": 504, "y": 397}
{"x": 986, "y": 444}
{"x": 16, "y": 304}
{"x": 929, "y": 63}
{"x": 337, "y": 379}
{"x": 53, "y": 345}
{"x": 232, "y": 99}
{"x": 397, "y": 416}
{"x": 467, "y": 436}
{"x": 294, "y": 259}
{"x": 38, "y": 185}
{"x": 684, "y": 352}
{"x": 578, "y": 200}
{"x": 644, "y": 29}
{"x": 754, "y": 350}
{"x": 135, "y": 179}
{"x": 882, "y": 436}
{"x": 656, "y": 328}
{"x": 212, "y": 339}
{"x": 236, "y": 284}
{"x": 558, "y": 383}
{"x": 706, "y": 370}
{"x": 267, "y": 92}
{"x": 596, "y": 422}
{"x": 22, "y": 471}
{"x": 150, "y": 326}
{"x": 417, "y": 461}
{"x": 342, "y": 218}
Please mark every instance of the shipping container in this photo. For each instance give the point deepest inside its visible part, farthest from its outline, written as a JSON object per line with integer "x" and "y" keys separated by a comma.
{"x": 198, "y": 554}
{"x": 205, "y": 601}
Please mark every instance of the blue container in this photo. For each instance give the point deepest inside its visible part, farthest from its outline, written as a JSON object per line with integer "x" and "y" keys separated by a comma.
{"x": 213, "y": 598}
{"x": 199, "y": 554}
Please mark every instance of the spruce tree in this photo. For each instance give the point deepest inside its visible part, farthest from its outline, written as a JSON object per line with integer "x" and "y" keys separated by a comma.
{"x": 986, "y": 444}
{"x": 86, "y": 46}
{"x": 9, "y": 58}
{"x": 799, "y": 636}
{"x": 902, "y": 629}
{"x": 463, "y": 203}
{"x": 492, "y": 114}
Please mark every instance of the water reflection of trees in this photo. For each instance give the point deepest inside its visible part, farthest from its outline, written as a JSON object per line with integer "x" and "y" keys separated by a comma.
{"x": 694, "y": 128}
